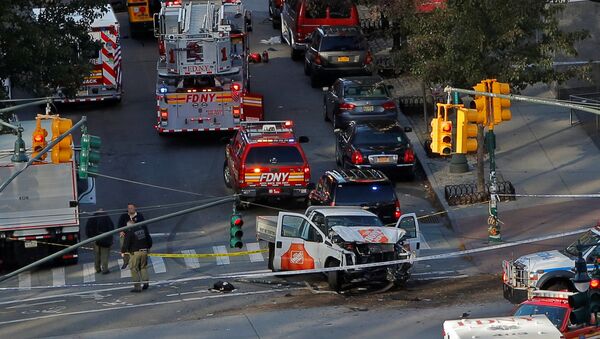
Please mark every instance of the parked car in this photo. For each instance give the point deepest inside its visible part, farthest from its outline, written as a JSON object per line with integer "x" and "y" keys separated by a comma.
{"x": 275, "y": 7}
{"x": 299, "y": 18}
{"x": 358, "y": 99}
{"x": 336, "y": 51}
{"x": 380, "y": 145}
{"x": 368, "y": 188}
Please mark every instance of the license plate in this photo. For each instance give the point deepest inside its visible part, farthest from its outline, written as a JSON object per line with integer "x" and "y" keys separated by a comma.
{"x": 367, "y": 108}
{"x": 30, "y": 244}
{"x": 343, "y": 59}
{"x": 275, "y": 190}
{"x": 383, "y": 160}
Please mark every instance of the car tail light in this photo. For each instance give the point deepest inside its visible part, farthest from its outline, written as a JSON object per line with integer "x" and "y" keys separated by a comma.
{"x": 235, "y": 86}
{"x": 504, "y": 277}
{"x": 409, "y": 156}
{"x": 142, "y": 9}
{"x": 368, "y": 58}
{"x": 256, "y": 170}
{"x": 164, "y": 114}
{"x": 288, "y": 124}
{"x": 306, "y": 173}
{"x": 318, "y": 60}
{"x": 347, "y": 107}
{"x": 357, "y": 157}
{"x": 171, "y": 56}
{"x": 595, "y": 283}
{"x": 161, "y": 47}
{"x": 236, "y": 112}
{"x": 389, "y": 105}
{"x": 397, "y": 212}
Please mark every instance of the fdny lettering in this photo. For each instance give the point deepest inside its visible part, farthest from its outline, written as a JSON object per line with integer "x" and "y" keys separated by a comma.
{"x": 198, "y": 68}
{"x": 204, "y": 97}
{"x": 274, "y": 177}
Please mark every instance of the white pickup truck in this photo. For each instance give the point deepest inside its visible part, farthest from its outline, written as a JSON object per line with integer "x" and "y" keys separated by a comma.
{"x": 340, "y": 236}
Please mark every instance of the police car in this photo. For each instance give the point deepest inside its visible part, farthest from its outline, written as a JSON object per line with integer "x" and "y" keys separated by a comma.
{"x": 265, "y": 160}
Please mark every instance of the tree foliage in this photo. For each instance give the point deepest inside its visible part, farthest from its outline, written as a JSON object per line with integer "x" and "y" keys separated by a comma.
{"x": 49, "y": 49}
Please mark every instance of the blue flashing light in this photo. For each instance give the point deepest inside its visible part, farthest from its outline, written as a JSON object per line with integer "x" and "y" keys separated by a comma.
{"x": 374, "y": 188}
{"x": 163, "y": 90}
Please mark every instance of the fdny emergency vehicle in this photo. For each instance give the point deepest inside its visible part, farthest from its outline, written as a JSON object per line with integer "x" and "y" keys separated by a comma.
{"x": 264, "y": 159}
{"x": 202, "y": 82}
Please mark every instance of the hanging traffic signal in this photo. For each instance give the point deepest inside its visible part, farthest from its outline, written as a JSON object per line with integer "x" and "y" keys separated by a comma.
{"x": 482, "y": 103}
{"x": 445, "y": 136}
{"x": 89, "y": 156}
{"x": 580, "y": 304}
{"x": 435, "y": 135}
{"x": 235, "y": 231}
{"x": 63, "y": 151}
{"x": 39, "y": 140}
{"x": 594, "y": 292}
{"x": 466, "y": 130}
{"x": 500, "y": 107}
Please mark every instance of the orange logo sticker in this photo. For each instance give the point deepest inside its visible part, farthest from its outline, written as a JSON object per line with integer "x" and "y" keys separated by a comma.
{"x": 296, "y": 258}
{"x": 373, "y": 235}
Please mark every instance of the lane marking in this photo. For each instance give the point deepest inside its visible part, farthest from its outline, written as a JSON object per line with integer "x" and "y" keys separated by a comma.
{"x": 444, "y": 277}
{"x": 158, "y": 264}
{"x": 190, "y": 262}
{"x": 58, "y": 276}
{"x": 254, "y": 257}
{"x": 221, "y": 260}
{"x": 433, "y": 272}
{"x": 204, "y": 255}
{"x": 126, "y": 272}
{"x": 89, "y": 273}
{"x": 214, "y": 296}
{"x": 37, "y": 304}
{"x": 185, "y": 293}
{"x": 25, "y": 281}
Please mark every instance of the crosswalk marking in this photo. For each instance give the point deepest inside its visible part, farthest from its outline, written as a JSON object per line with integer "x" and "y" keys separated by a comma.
{"x": 254, "y": 257}
{"x": 191, "y": 262}
{"x": 158, "y": 264}
{"x": 25, "y": 280}
{"x": 89, "y": 273}
{"x": 58, "y": 276}
{"x": 221, "y": 250}
{"x": 125, "y": 273}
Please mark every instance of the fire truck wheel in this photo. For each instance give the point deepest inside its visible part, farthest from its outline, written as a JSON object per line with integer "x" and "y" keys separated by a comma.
{"x": 556, "y": 285}
{"x": 226, "y": 175}
{"x": 334, "y": 278}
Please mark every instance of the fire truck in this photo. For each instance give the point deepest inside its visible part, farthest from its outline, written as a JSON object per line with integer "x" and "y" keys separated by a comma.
{"x": 202, "y": 72}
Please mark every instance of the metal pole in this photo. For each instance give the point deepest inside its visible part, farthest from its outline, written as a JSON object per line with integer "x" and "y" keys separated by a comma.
{"x": 42, "y": 152}
{"x": 33, "y": 103}
{"x": 92, "y": 239}
{"x": 493, "y": 221}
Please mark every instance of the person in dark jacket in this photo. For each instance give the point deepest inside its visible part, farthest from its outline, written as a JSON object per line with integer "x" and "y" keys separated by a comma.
{"x": 137, "y": 242}
{"x": 134, "y": 216}
{"x": 100, "y": 223}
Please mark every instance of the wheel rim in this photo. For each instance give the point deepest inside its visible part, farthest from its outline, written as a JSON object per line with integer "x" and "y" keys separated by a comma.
{"x": 226, "y": 175}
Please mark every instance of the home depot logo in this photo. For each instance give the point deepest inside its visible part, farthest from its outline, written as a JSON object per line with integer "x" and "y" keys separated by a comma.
{"x": 297, "y": 257}
{"x": 373, "y": 235}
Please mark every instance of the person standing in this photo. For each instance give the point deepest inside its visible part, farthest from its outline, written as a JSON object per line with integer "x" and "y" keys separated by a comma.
{"x": 131, "y": 215}
{"x": 98, "y": 224}
{"x": 137, "y": 242}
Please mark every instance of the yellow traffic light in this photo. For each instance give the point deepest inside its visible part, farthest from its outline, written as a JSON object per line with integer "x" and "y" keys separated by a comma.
{"x": 63, "y": 151}
{"x": 435, "y": 135}
{"x": 466, "y": 130}
{"x": 39, "y": 139}
{"x": 500, "y": 107}
{"x": 445, "y": 136}
{"x": 482, "y": 103}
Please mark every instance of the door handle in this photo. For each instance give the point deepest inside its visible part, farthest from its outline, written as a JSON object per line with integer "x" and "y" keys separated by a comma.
{"x": 278, "y": 244}
{"x": 418, "y": 245}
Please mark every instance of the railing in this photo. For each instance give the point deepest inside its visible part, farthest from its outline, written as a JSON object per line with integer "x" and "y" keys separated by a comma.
{"x": 586, "y": 98}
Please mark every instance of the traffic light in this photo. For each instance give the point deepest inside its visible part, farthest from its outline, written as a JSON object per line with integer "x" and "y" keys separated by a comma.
{"x": 435, "y": 135}
{"x": 63, "y": 151}
{"x": 89, "y": 156}
{"x": 235, "y": 231}
{"x": 466, "y": 130}
{"x": 445, "y": 136}
{"x": 500, "y": 107}
{"x": 482, "y": 103}
{"x": 594, "y": 295}
{"x": 39, "y": 140}
{"x": 580, "y": 304}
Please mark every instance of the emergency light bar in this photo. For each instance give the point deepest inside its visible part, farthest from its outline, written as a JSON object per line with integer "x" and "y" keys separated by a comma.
{"x": 552, "y": 294}
{"x": 268, "y": 126}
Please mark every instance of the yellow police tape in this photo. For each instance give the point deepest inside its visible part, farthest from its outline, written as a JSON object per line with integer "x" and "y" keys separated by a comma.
{"x": 204, "y": 255}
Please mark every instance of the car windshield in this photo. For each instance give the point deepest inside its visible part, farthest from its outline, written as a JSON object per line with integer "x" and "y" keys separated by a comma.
{"x": 338, "y": 9}
{"x": 343, "y": 43}
{"x": 377, "y": 137}
{"x": 555, "y": 314}
{"x": 375, "y": 91}
{"x": 356, "y": 194}
{"x": 353, "y": 220}
{"x": 274, "y": 155}
{"x": 588, "y": 238}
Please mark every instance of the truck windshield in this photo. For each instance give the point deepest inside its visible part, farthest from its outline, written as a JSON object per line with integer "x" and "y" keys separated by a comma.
{"x": 274, "y": 155}
{"x": 588, "y": 238}
{"x": 555, "y": 314}
{"x": 353, "y": 220}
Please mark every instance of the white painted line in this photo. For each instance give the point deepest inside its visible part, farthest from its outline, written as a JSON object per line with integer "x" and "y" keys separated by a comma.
{"x": 25, "y": 281}
{"x": 221, "y": 250}
{"x": 185, "y": 293}
{"x": 254, "y": 257}
{"x": 58, "y": 276}
{"x": 444, "y": 277}
{"x": 37, "y": 304}
{"x": 158, "y": 264}
{"x": 125, "y": 273}
{"x": 89, "y": 273}
{"x": 191, "y": 262}
{"x": 433, "y": 273}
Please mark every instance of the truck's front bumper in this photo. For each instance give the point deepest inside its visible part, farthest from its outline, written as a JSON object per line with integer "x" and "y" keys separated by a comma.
{"x": 515, "y": 295}
{"x": 273, "y": 192}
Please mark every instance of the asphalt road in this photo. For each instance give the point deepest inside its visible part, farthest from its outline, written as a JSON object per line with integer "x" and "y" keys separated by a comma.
{"x": 191, "y": 165}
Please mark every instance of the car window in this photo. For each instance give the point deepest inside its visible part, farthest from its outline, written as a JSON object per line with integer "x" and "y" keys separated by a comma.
{"x": 364, "y": 136}
{"x": 292, "y": 226}
{"x": 364, "y": 193}
{"x": 274, "y": 155}
{"x": 340, "y": 9}
{"x": 375, "y": 91}
{"x": 353, "y": 220}
{"x": 410, "y": 226}
{"x": 343, "y": 43}
{"x": 555, "y": 314}
{"x": 315, "y": 9}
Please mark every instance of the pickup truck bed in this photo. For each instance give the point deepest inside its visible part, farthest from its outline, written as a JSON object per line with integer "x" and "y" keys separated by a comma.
{"x": 266, "y": 228}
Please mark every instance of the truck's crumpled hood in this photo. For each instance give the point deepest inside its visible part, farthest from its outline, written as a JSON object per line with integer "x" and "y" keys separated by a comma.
{"x": 369, "y": 234}
{"x": 545, "y": 260}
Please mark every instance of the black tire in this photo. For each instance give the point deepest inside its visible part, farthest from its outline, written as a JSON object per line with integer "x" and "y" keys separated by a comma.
{"x": 271, "y": 256}
{"x": 296, "y": 54}
{"x": 557, "y": 285}
{"x": 334, "y": 278}
{"x": 226, "y": 175}
{"x": 315, "y": 82}
{"x": 338, "y": 161}
{"x": 306, "y": 68}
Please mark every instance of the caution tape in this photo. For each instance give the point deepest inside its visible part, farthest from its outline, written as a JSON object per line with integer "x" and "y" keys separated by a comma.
{"x": 205, "y": 255}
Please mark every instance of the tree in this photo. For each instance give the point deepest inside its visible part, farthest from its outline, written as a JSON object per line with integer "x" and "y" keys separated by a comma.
{"x": 44, "y": 50}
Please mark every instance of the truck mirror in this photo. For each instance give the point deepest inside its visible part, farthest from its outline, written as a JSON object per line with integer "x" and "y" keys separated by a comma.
{"x": 311, "y": 186}
{"x": 303, "y": 139}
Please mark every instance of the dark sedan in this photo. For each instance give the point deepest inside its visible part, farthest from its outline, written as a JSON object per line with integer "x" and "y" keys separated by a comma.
{"x": 358, "y": 99}
{"x": 381, "y": 145}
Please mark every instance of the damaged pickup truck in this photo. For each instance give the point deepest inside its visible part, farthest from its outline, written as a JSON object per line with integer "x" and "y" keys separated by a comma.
{"x": 339, "y": 237}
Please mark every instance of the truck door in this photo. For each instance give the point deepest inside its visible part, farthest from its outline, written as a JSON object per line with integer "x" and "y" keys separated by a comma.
{"x": 410, "y": 224}
{"x": 298, "y": 243}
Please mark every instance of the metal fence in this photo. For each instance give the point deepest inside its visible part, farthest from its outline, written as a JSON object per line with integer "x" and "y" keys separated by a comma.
{"x": 586, "y": 98}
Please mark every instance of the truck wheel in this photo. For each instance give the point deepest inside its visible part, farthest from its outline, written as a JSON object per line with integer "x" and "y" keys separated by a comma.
{"x": 334, "y": 279}
{"x": 226, "y": 175}
{"x": 271, "y": 256}
{"x": 557, "y": 285}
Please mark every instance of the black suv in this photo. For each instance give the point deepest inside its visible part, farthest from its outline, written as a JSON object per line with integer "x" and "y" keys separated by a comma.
{"x": 367, "y": 188}
{"x": 335, "y": 51}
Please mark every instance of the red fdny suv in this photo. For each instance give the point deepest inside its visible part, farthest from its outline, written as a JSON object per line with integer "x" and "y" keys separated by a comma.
{"x": 265, "y": 160}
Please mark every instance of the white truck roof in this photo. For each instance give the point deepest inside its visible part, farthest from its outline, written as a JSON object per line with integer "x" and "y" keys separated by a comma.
{"x": 530, "y": 327}
{"x": 339, "y": 210}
